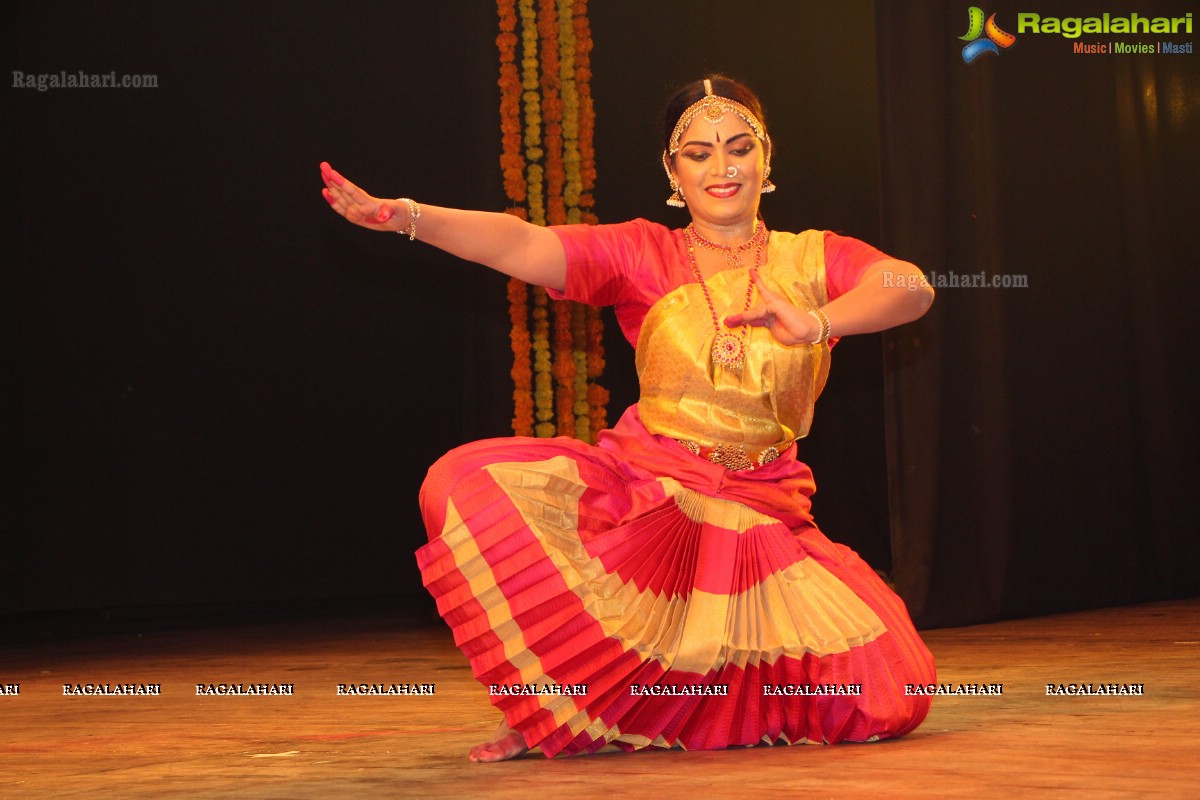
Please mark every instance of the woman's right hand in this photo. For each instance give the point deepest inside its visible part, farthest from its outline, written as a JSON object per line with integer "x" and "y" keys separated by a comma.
{"x": 359, "y": 207}
{"x": 532, "y": 253}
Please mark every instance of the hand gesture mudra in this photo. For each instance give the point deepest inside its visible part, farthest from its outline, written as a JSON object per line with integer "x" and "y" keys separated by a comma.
{"x": 359, "y": 207}
{"x": 787, "y": 323}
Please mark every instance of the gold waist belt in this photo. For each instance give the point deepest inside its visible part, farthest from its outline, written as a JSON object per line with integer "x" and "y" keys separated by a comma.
{"x": 732, "y": 456}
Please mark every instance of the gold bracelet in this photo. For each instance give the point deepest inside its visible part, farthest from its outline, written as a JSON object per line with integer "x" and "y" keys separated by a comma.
{"x": 823, "y": 323}
{"x": 414, "y": 214}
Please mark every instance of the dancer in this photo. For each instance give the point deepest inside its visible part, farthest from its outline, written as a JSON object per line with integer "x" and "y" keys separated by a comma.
{"x": 668, "y": 586}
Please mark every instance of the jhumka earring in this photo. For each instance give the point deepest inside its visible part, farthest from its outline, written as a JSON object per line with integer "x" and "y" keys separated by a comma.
{"x": 676, "y": 199}
{"x": 767, "y": 186}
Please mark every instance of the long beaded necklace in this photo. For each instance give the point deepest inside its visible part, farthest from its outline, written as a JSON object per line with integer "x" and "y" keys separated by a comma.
{"x": 728, "y": 349}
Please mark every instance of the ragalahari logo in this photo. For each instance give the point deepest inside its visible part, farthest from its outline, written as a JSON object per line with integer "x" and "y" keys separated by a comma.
{"x": 976, "y": 28}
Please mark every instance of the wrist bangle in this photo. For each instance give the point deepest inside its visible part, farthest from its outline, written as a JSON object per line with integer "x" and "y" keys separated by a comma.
{"x": 414, "y": 214}
{"x": 823, "y": 324}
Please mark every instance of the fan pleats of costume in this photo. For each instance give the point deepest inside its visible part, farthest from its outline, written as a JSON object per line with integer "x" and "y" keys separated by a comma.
{"x": 690, "y": 617}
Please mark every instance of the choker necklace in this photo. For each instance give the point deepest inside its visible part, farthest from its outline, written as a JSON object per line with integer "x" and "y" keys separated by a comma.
{"x": 733, "y": 255}
{"x": 728, "y": 349}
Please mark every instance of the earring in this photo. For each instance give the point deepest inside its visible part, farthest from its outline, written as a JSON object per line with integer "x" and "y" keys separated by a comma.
{"x": 676, "y": 199}
{"x": 767, "y": 186}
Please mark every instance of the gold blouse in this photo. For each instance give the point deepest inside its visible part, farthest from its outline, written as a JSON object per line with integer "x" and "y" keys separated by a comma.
{"x": 769, "y": 401}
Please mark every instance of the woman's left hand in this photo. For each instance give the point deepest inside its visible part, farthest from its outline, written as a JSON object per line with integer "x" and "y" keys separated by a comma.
{"x": 787, "y": 323}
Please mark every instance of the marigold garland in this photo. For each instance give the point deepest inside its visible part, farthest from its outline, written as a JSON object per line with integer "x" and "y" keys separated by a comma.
{"x": 548, "y": 163}
{"x": 522, "y": 369}
{"x": 587, "y": 113}
{"x": 552, "y": 112}
{"x": 512, "y": 163}
{"x": 579, "y": 361}
{"x": 543, "y": 387}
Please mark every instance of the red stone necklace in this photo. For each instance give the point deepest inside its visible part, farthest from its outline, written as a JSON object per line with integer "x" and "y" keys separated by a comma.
{"x": 728, "y": 349}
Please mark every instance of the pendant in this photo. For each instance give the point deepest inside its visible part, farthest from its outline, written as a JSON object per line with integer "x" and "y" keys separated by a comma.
{"x": 728, "y": 351}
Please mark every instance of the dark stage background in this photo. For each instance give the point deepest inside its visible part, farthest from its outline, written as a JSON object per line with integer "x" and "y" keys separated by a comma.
{"x": 222, "y": 396}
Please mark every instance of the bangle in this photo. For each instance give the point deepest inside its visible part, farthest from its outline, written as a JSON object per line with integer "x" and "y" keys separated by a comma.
{"x": 823, "y": 323}
{"x": 414, "y": 214}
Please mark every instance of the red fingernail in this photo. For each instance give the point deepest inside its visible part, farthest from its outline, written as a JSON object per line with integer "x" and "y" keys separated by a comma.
{"x": 328, "y": 196}
{"x": 385, "y": 213}
{"x": 337, "y": 177}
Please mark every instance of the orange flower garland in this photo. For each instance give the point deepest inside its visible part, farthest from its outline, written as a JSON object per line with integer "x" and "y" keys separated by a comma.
{"x": 543, "y": 387}
{"x": 512, "y": 163}
{"x": 587, "y": 114}
{"x": 547, "y": 158}
{"x": 522, "y": 369}
{"x": 580, "y": 408}
{"x": 552, "y": 104}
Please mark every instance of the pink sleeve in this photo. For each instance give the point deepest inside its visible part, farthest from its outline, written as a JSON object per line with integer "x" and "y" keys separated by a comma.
{"x": 846, "y": 259}
{"x": 601, "y": 260}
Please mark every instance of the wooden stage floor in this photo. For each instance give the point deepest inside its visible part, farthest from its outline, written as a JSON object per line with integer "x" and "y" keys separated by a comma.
{"x": 316, "y": 744}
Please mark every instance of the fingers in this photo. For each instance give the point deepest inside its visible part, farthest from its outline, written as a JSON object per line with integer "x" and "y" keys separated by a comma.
{"x": 757, "y": 317}
{"x": 352, "y": 202}
{"x": 761, "y": 314}
{"x": 334, "y": 192}
{"x": 787, "y": 323}
{"x": 331, "y": 175}
{"x": 337, "y": 184}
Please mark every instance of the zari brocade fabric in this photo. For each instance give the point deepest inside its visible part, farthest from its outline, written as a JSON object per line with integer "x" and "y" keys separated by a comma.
{"x": 642, "y": 571}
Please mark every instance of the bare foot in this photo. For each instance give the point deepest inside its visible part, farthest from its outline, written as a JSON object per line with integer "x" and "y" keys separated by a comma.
{"x": 504, "y": 744}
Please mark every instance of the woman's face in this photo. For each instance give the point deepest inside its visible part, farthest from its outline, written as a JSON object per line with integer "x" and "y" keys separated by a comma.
{"x": 719, "y": 167}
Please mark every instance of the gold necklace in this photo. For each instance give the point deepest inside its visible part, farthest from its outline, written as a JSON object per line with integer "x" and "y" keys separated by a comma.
{"x": 728, "y": 350}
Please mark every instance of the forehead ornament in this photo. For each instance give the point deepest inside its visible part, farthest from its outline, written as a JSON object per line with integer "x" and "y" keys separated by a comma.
{"x": 714, "y": 108}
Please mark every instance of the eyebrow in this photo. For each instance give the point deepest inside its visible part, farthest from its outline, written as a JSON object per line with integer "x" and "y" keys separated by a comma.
{"x": 728, "y": 141}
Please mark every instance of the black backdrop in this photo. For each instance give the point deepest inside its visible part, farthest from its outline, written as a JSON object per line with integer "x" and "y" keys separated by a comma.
{"x": 222, "y": 394}
{"x": 1043, "y": 440}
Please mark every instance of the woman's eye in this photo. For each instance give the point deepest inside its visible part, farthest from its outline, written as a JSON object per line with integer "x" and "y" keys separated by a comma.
{"x": 696, "y": 155}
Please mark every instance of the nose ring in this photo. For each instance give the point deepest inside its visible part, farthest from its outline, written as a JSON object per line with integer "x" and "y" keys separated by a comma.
{"x": 731, "y": 172}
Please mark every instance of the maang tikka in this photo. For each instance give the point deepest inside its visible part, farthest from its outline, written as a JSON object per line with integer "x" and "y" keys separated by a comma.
{"x": 714, "y": 108}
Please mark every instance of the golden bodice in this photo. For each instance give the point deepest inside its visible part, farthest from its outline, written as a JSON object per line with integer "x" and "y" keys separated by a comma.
{"x": 769, "y": 401}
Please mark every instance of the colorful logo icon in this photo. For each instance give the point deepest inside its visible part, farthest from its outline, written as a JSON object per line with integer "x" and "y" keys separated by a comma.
{"x": 976, "y": 27}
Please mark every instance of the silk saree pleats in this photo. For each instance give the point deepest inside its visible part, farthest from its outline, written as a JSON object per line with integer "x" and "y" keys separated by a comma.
{"x": 611, "y": 604}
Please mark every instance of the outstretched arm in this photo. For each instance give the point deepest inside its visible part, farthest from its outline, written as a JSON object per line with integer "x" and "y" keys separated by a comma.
{"x": 890, "y": 293}
{"x": 500, "y": 241}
